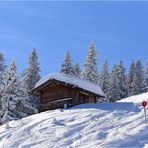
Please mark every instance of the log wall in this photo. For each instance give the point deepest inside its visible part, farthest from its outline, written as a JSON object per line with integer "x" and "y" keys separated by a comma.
{"x": 55, "y": 91}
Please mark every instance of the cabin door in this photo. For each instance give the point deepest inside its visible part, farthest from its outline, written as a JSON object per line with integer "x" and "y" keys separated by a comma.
{"x": 82, "y": 98}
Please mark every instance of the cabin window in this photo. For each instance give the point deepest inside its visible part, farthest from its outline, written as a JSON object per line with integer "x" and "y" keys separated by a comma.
{"x": 82, "y": 98}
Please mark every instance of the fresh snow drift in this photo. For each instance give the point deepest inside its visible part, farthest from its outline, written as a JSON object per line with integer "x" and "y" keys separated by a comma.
{"x": 136, "y": 99}
{"x": 119, "y": 124}
{"x": 77, "y": 82}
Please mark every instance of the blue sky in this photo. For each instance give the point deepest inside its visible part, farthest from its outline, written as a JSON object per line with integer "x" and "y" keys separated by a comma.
{"x": 119, "y": 30}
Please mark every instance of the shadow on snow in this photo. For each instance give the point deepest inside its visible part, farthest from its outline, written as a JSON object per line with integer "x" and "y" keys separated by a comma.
{"x": 124, "y": 106}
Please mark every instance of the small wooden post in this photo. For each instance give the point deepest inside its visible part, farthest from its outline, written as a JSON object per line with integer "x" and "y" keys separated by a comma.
{"x": 144, "y": 104}
{"x": 145, "y": 116}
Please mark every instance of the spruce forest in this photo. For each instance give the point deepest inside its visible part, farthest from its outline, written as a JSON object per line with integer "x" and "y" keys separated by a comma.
{"x": 17, "y": 99}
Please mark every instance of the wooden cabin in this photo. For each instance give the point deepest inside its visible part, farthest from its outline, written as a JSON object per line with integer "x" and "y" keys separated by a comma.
{"x": 62, "y": 91}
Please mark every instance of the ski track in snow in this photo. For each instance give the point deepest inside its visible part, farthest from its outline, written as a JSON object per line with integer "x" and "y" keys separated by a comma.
{"x": 104, "y": 125}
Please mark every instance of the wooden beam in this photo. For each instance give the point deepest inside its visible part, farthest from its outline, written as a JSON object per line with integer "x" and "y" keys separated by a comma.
{"x": 77, "y": 96}
{"x": 82, "y": 92}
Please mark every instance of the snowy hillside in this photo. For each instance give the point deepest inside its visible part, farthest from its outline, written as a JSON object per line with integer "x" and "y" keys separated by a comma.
{"x": 136, "y": 99}
{"x": 119, "y": 124}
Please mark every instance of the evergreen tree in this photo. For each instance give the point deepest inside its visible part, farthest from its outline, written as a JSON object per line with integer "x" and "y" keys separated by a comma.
{"x": 2, "y": 72}
{"x": 122, "y": 81}
{"x": 146, "y": 78}
{"x": 67, "y": 67}
{"x": 13, "y": 69}
{"x": 2, "y": 68}
{"x": 113, "y": 92}
{"x": 131, "y": 74}
{"x": 13, "y": 98}
{"x": 104, "y": 78}
{"x": 77, "y": 71}
{"x": 90, "y": 67}
{"x": 31, "y": 77}
{"x": 135, "y": 85}
{"x": 138, "y": 83}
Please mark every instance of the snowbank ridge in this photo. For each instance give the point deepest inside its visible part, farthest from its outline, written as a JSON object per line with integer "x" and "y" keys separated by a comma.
{"x": 119, "y": 124}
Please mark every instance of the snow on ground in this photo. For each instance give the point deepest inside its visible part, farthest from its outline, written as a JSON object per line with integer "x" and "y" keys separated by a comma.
{"x": 136, "y": 99}
{"x": 119, "y": 124}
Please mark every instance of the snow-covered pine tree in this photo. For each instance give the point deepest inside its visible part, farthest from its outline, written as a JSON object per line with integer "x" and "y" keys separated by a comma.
{"x": 2, "y": 67}
{"x": 77, "y": 71}
{"x": 67, "y": 66}
{"x": 122, "y": 81}
{"x": 31, "y": 77}
{"x": 113, "y": 92}
{"x": 138, "y": 82}
{"x": 13, "y": 69}
{"x": 135, "y": 85}
{"x": 130, "y": 78}
{"x": 90, "y": 67}
{"x": 146, "y": 78}
{"x": 104, "y": 78}
{"x": 13, "y": 97}
{"x": 2, "y": 71}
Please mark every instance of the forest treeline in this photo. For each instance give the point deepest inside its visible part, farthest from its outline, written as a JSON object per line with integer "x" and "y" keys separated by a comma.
{"x": 17, "y": 99}
{"x": 116, "y": 84}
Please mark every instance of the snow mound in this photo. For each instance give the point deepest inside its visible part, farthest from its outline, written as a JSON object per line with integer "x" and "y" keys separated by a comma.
{"x": 136, "y": 99}
{"x": 118, "y": 106}
{"x": 119, "y": 124}
{"x": 76, "y": 82}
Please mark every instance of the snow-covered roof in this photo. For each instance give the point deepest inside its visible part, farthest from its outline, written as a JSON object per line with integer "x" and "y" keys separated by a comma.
{"x": 77, "y": 82}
